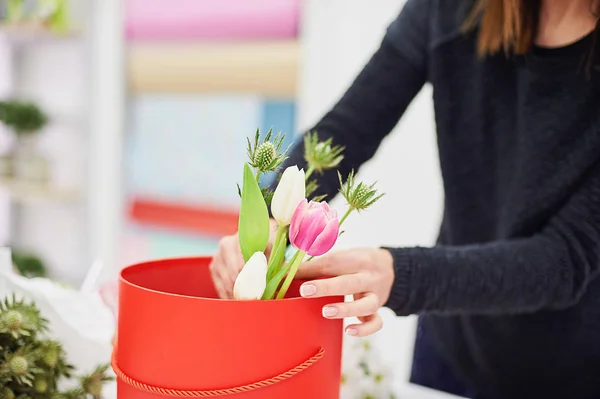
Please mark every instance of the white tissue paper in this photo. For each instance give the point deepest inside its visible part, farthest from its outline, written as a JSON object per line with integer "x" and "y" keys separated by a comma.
{"x": 81, "y": 321}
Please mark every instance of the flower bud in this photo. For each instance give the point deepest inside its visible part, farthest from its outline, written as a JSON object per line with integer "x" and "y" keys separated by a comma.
{"x": 13, "y": 320}
{"x": 18, "y": 365}
{"x": 264, "y": 156}
{"x": 288, "y": 194}
{"x": 314, "y": 228}
{"x": 252, "y": 280}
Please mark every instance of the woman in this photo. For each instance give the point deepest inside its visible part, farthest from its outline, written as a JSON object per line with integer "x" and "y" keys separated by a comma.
{"x": 509, "y": 299}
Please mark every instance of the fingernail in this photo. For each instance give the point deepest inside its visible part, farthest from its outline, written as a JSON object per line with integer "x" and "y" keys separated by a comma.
{"x": 352, "y": 331}
{"x": 329, "y": 311}
{"x": 308, "y": 290}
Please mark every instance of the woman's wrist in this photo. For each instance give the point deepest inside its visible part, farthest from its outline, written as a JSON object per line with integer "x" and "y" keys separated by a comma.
{"x": 399, "y": 297}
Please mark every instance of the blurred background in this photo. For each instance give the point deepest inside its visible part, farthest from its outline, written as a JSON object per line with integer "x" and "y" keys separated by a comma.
{"x": 128, "y": 119}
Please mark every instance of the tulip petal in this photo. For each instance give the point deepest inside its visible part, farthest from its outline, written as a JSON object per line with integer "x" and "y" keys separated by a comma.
{"x": 326, "y": 240}
{"x": 297, "y": 219}
{"x": 313, "y": 223}
{"x": 252, "y": 279}
{"x": 284, "y": 194}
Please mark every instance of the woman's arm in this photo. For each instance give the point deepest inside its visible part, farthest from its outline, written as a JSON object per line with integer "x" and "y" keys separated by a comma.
{"x": 378, "y": 97}
{"x": 360, "y": 120}
{"x": 549, "y": 270}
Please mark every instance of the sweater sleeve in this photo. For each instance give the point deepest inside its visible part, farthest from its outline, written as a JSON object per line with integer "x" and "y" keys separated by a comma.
{"x": 377, "y": 98}
{"x": 549, "y": 270}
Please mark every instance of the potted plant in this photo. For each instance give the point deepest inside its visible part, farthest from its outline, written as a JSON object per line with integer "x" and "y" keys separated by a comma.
{"x": 29, "y": 265}
{"x": 25, "y": 120}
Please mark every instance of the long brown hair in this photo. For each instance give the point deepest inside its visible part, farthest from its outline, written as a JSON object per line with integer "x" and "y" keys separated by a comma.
{"x": 507, "y": 25}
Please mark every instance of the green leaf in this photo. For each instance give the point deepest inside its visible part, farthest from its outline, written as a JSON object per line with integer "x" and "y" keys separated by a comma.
{"x": 253, "y": 227}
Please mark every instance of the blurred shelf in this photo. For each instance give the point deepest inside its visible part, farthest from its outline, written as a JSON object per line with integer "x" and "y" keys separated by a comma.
{"x": 209, "y": 19}
{"x": 268, "y": 68}
{"x": 33, "y": 33}
{"x": 206, "y": 220}
{"x": 33, "y": 193}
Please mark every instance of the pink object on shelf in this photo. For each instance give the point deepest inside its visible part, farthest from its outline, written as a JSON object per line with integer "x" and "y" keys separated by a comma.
{"x": 197, "y": 19}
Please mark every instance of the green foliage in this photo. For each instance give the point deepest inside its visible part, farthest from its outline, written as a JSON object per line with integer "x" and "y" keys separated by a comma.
{"x": 57, "y": 14}
{"x": 53, "y": 14}
{"x": 321, "y": 155}
{"x": 266, "y": 155}
{"x": 359, "y": 196}
{"x": 22, "y": 117}
{"x": 19, "y": 320}
{"x": 253, "y": 227}
{"x": 29, "y": 265}
{"x": 31, "y": 366}
{"x": 14, "y": 10}
{"x": 311, "y": 187}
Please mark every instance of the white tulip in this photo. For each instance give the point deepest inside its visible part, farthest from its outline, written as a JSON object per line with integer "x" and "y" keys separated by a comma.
{"x": 251, "y": 282}
{"x": 288, "y": 194}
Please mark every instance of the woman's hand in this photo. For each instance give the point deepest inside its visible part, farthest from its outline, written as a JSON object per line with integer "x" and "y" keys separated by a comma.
{"x": 228, "y": 261}
{"x": 367, "y": 274}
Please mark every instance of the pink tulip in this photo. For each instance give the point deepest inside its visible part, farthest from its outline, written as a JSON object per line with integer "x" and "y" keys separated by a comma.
{"x": 314, "y": 227}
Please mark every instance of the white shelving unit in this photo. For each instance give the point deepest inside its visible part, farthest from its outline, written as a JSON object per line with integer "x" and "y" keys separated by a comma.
{"x": 23, "y": 192}
{"x": 77, "y": 80}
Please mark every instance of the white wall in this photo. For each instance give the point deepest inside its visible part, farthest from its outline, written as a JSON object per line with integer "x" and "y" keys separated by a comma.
{"x": 339, "y": 37}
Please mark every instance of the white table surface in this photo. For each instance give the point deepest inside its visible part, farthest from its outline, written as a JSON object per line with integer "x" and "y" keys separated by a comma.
{"x": 409, "y": 391}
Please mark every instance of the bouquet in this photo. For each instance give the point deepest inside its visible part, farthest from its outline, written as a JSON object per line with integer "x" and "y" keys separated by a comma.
{"x": 311, "y": 227}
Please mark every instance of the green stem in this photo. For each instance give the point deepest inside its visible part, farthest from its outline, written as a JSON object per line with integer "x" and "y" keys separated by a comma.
{"x": 292, "y": 273}
{"x": 348, "y": 212}
{"x": 276, "y": 242}
{"x": 275, "y": 251}
{"x": 309, "y": 172}
{"x": 280, "y": 255}
{"x": 258, "y": 175}
{"x": 274, "y": 282}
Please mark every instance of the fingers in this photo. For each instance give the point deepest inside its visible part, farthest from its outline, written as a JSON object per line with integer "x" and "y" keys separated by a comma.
{"x": 342, "y": 285}
{"x": 233, "y": 258}
{"x": 332, "y": 264}
{"x": 215, "y": 272}
{"x": 365, "y": 306}
{"x": 226, "y": 265}
{"x": 221, "y": 291}
{"x": 229, "y": 261}
{"x": 370, "y": 325}
{"x": 316, "y": 268}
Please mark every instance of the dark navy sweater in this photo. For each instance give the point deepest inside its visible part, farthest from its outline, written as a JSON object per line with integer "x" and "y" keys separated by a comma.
{"x": 511, "y": 292}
